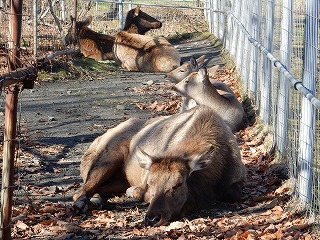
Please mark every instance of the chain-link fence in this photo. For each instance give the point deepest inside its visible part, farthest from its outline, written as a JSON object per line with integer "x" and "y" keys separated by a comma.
{"x": 275, "y": 44}
{"x": 46, "y": 22}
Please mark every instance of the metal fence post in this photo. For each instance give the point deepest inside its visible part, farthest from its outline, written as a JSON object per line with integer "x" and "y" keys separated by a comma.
{"x": 239, "y": 41}
{"x": 210, "y": 16}
{"x": 130, "y": 4}
{"x": 222, "y": 21}
{"x": 307, "y": 124}
{"x": 35, "y": 28}
{"x": 215, "y": 18}
{"x": 235, "y": 34}
{"x": 121, "y": 21}
{"x": 253, "y": 77}
{"x": 267, "y": 66}
{"x": 63, "y": 10}
{"x": 246, "y": 48}
{"x": 230, "y": 29}
{"x": 283, "y": 94}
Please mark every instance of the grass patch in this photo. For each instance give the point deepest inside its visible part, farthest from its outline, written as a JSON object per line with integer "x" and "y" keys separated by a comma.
{"x": 63, "y": 69}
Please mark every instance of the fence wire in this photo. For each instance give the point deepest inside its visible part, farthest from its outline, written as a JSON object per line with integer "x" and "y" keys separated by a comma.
{"x": 267, "y": 39}
{"x": 280, "y": 69}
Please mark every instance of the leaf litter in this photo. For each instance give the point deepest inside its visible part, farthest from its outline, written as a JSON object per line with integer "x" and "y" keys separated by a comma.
{"x": 264, "y": 212}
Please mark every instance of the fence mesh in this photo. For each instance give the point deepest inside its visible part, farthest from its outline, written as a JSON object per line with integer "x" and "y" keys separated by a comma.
{"x": 248, "y": 29}
{"x": 53, "y": 22}
{"x": 267, "y": 25}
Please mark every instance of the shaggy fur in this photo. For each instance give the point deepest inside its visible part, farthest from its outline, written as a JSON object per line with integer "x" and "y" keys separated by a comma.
{"x": 144, "y": 53}
{"x": 177, "y": 163}
{"x": 92, "y": 44}
{"x": 99, "y": 46}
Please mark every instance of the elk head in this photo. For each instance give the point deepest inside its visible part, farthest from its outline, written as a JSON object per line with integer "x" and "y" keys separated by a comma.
{"x": 72, "y": 37}
{"x": 194, "y": 84}
{"x": 176, "y": 75}
{"x": 167, "y": 188}
{"x": 140, "y": 22}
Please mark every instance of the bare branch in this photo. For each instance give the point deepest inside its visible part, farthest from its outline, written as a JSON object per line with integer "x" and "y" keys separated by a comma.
{"x": 62, "y": 52}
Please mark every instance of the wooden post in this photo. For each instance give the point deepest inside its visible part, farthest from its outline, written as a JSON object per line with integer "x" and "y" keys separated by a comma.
{"x": 8, "y": 161}
{"x": 10, "y": 125}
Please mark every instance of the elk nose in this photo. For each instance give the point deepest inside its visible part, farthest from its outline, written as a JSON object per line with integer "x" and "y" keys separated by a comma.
{"x": 151, "y": 220}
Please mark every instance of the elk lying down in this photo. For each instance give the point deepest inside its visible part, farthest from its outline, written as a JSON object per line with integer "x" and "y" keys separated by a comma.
{"x": 198, "y": 87}
{"x": 136, "y": 52}
{"x": 176, "y": 75}
{"x": 99, "y": 46}
{"x": 178, "y": 164}
{"x": 92, "y": 44}
{"x": 101, "y": 165}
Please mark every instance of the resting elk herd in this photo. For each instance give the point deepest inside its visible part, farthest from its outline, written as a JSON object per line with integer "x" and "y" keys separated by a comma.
{"x": 177, "y": 163}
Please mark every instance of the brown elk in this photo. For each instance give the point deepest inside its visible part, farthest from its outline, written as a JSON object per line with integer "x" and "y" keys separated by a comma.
{"x": 176, "y": 75}
{"x": 177, "y": 163}
{"x": 140, "y": 22}
{"x": 93, "y": 45}
{"x": 198, "y": 87}
{"x": 104, "y": 159}
{"x": 136, "y": 52}
{"x": 99, "y": 46}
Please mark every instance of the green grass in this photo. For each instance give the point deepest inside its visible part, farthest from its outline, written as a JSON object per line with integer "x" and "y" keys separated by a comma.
{"x": 79, "y": 67}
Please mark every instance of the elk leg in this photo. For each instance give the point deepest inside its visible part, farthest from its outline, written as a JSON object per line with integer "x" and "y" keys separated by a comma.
{"x": 97, "y": 177}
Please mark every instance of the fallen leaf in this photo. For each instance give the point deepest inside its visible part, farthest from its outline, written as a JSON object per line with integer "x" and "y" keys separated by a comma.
{"x": 21, "y": 225}
{"x": 47, "y": 222}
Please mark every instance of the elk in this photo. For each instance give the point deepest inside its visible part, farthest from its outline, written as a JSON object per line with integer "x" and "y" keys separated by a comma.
{"x": 99, "y": 46}
{"x": 198, "y": 87}
{"x": 102, "y": 162}
{"x": 140, "y": 22}
{"x": 93, "y": 45}
{"x": 177, "y": 163}
{"x": 136, "y": 52}
{"x": 176, "y": 75}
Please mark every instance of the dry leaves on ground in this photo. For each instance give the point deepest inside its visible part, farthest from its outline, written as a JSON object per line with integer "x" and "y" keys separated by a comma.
{"x": 264, "y": 211}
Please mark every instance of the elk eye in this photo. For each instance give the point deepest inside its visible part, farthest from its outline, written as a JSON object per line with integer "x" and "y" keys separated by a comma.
{"x": 186, "y": 81}
{"x": 182, "y": 70}
{"x": 177, "y": 186}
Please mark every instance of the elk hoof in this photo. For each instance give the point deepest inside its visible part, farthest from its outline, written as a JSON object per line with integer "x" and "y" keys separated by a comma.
{"x": 80, "y": 205}
{"x": 96, "y": 201}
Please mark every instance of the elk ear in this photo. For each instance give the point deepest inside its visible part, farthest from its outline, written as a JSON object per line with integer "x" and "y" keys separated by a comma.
{"x": 87, "y": 21}
{"x": 202, "y": 74}
{"x": 201, "y": 161}
{"x": 201, "y": 60}
{"x": 136, "y": 11}
{"x": 213, "y": 70}
{"x": 145, "y": 160}
{"x": 194, "y": 64}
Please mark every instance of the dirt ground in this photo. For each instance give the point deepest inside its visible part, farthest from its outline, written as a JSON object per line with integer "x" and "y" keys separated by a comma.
{"x": 59, "y": 119}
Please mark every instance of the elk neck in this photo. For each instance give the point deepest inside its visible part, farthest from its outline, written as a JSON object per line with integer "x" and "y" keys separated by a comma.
{"x": 209, "y": 96}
